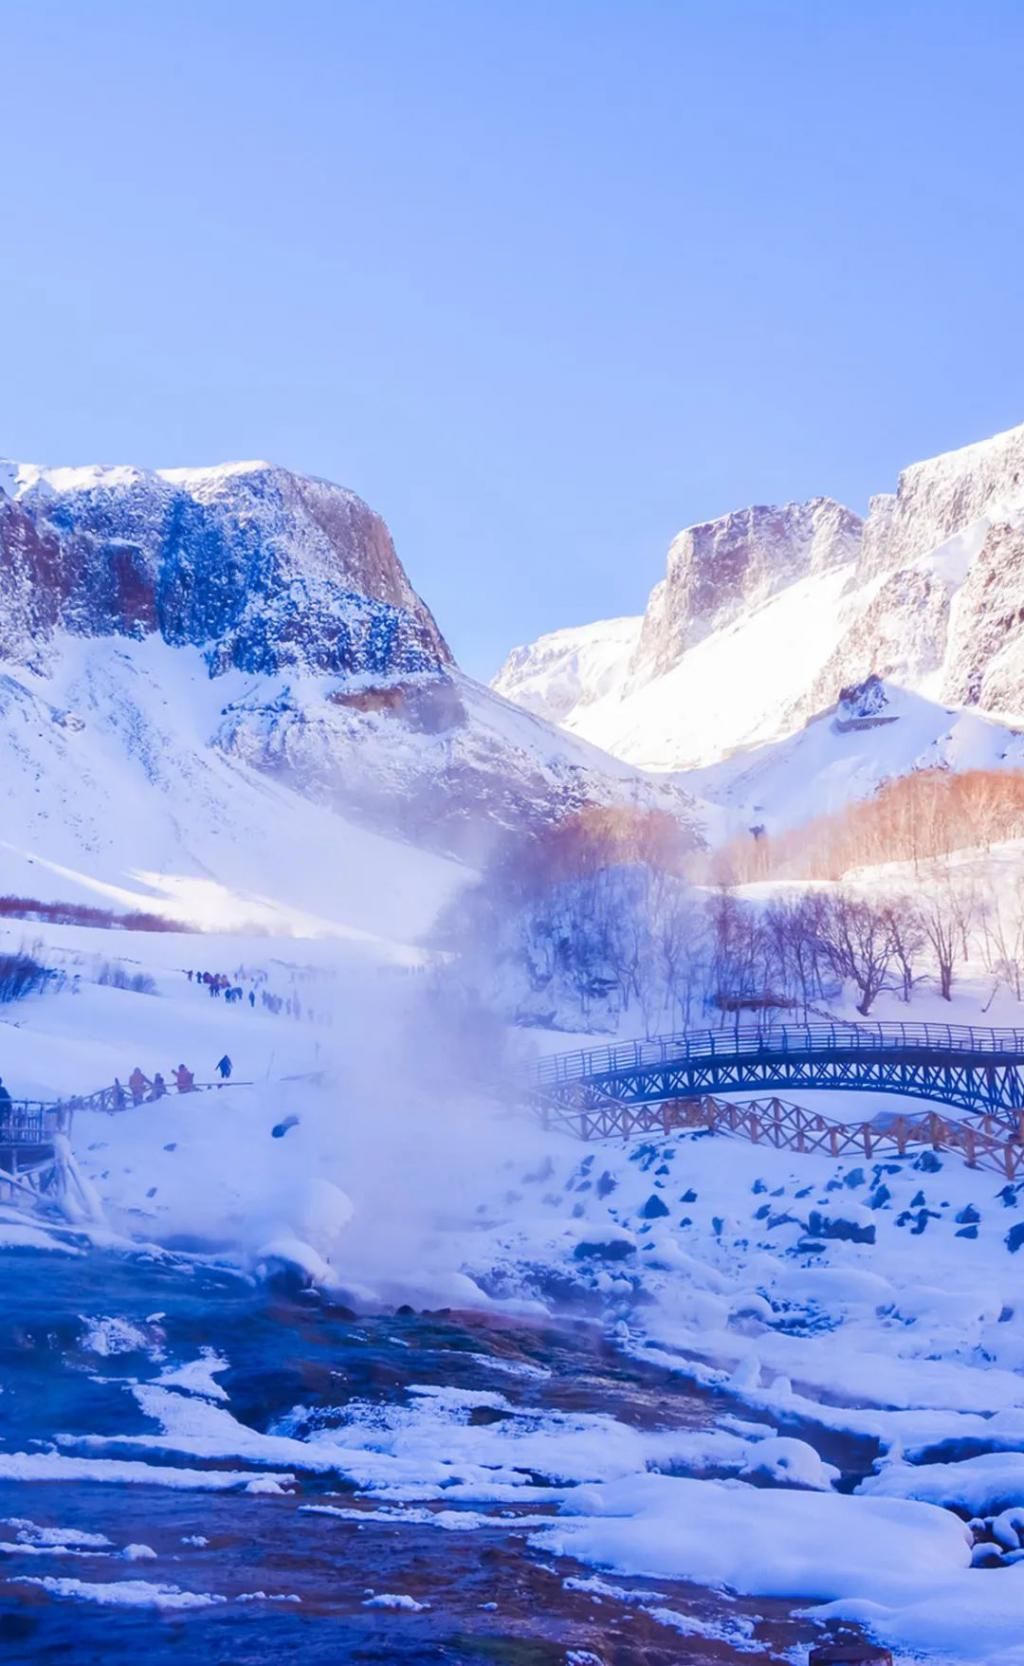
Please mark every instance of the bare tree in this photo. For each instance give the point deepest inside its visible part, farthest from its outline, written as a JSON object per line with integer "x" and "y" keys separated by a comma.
{"x": 1002, "y": 921}
{"x": 909, "y": 936}
{"x": 857, "y": 938}
{"x": 946, "y": 910}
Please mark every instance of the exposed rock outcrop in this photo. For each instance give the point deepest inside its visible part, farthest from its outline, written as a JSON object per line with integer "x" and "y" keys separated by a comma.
{"x": 723, "y": 568}
{"x": 260, "y": 568}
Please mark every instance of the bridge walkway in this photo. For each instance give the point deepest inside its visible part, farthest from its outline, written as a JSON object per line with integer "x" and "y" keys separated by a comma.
{"x": 970, "y": 1067}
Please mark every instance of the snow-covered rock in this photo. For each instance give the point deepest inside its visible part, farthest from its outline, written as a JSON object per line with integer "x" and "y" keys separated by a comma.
{"x": 565, "y": 670}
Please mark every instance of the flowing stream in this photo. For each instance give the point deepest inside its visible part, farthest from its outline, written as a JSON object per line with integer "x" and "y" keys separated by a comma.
{"x": 272, "y": 1579}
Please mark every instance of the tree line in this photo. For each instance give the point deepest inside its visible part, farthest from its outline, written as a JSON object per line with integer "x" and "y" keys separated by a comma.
{"x": 593, "y": 934}
{"x": 917, "y": 818}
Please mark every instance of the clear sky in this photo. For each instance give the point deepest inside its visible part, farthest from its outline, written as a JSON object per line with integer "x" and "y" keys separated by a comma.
{"x": 542, "y": 280}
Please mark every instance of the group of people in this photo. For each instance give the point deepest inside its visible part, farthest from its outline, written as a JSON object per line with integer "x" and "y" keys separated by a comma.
{"x": 141, "y": 1088}
{"x": 217, "y": 983}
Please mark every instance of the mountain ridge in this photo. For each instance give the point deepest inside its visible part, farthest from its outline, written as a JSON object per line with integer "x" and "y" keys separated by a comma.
{"x": 927, "y": 593}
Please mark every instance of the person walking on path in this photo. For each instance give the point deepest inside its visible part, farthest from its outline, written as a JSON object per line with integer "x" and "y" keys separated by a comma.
{"x": 159, "y": 1088}
{"x": 184, "y": 1079}
{"x": 224, "y": 1068}
{"x": 138, "y": 1084}
{"x": 117, "y": 1095}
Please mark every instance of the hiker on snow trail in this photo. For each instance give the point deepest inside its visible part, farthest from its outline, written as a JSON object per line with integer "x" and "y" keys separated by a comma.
{"x": 138, "y": 1084}
{"x": 224, "y": 1067}
{"x": 159, "y": 1087}
{"x": 184, "y": 1079}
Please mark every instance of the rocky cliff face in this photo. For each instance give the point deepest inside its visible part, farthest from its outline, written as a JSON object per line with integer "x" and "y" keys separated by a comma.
{"x": 720, "y": 570}
{"x": 258, "y": 567}
{"x": 938, "y": 499}
{"x": 985, "y": 660}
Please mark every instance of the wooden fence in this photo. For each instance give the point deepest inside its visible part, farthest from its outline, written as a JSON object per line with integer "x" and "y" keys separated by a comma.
{"x": 983, "y": 1141}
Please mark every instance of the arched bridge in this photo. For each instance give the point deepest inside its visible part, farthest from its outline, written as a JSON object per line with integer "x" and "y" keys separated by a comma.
{"x": 971, "y": 1067}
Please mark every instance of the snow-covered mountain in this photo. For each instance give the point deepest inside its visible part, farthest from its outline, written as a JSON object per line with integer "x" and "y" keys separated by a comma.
{"x": 179, "y": 649}
{"x": 765, "y": 615}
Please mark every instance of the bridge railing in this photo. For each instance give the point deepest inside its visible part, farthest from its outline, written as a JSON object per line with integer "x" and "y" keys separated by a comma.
{"x": 113, "y": 1099}
{"x": 32, "y": 1122}
{"x": 798, "y": 1039}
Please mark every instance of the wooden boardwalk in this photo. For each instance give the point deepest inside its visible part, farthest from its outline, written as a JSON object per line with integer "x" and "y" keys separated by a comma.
{"x": 982, "y": 1141}
{"x": 37, "y": 1167}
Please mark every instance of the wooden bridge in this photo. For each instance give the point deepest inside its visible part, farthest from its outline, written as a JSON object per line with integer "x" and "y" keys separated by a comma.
{"x": 673, "y": 1082}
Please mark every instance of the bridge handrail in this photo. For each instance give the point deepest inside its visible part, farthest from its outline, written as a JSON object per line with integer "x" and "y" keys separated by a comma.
{"x": 32, "y": 1122}
{"x": 104, "y": 1099}
{"x": 585, "y": 1064}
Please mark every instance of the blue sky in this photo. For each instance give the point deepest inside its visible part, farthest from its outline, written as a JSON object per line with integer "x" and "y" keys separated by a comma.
{"x": 543, "y": 280}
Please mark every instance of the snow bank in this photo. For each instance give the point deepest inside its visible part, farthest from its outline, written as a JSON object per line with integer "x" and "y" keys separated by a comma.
{"x": 982, "y": 1486}
{"x": 760, "y": 1542}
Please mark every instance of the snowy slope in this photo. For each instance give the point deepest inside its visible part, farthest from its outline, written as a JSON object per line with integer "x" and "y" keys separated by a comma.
{"x": 876, "y": 733}
{"x": 111, "y": 794}
{"x": 729, "y": 689}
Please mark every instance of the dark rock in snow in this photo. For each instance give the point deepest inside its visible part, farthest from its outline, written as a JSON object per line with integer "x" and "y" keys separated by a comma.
{"x": 823, "y": 1226}
{"x": 1015, "y": 1238}
{"x": 614, "y": 1249}
{"x": 967, "y": 1216}
{"x": 653, "y": 1208}
{"x": 928, "y": 1163}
